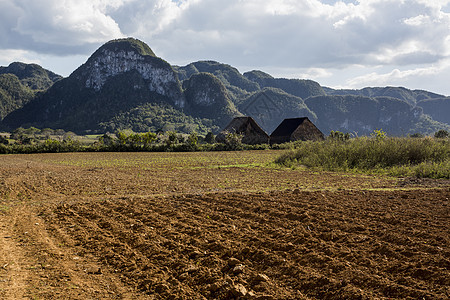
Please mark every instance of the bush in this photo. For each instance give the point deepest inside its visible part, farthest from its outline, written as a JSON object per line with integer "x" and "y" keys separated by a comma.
{"x": 339, "y": 136}
{"x": 233, "y": 141}
{"x": 372, "y": 154}
{"x": 3, "y": 140}
{"x": 416, "y": 135}
{"x": 128, "y": 141}
{"x": 191, "y": 142}
{"x": 441, "y": 134}
{"x": 379, "y": 134}
{"x": 210, "y": 138}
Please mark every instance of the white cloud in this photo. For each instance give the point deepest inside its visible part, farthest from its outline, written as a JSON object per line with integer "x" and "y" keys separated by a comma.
{"x": 12, "y": 55}
{"x": 51, "y": 26}
{"x": 289, "y": 33}
{"x": 299, "y": 36}
{"x": 415, "y": 78}
{"x": 417, "y": 21}
{"x": 316, "y": 74}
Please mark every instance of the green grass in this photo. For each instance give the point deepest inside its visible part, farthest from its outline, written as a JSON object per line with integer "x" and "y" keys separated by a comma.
{"x": 4, "y": 208}
{"x": 421, "y": 157}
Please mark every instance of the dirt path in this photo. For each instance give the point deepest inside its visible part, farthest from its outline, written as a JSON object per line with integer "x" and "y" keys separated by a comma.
{"x": 13, "y": 265}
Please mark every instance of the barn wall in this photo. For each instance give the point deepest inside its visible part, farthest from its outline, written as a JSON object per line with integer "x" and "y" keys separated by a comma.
{"x": 252, "y": 133}
{"x": 253, "y": 136}
{"x": 280, "y": 139}
{"x": 307, "y": 131}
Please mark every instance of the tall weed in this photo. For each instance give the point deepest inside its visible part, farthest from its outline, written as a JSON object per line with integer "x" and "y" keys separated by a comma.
{"x": 423, "y": 157}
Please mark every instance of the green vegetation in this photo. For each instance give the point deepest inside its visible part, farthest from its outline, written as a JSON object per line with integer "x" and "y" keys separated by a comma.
{"x": 361, "y": 114}
{"x": 237, "y": 85}
{"x": 200, "y": 97}
{"x": 13, "y": 94}
{"x": 20, "y": 83}
{"x": 438, "y": 109}
{"x": 441, "y": 134}
{"x": 170, "y": 141}
{"x": 207, "y": 97}
{"x": 410, "y": 96}
{"x": 34, "y": 140}
{"x": 297, "y": 87}
{"x": 128, "y": 44}
{"x": 156, "y": 117}
{"x": 339, "y": 136}
{"x": 421, "y": 157}
{"x": 47, "y": 146}
{"x": 32, "y": 76}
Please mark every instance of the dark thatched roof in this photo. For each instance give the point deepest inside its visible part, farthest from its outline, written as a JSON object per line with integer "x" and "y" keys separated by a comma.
{"x": 288, "y": 126}
{"x": 295, "y": 129}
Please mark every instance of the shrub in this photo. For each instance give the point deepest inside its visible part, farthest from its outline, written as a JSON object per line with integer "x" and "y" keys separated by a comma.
{"x": 339, "y": 136}
{"x": 192, "y": 142}
{"x": 379, "y": 134}
{"x": 416, "y": 135}
{"x": 172, "y": 138}
{"x": 441, "y": 134}
{"x": 233, "y": 141}
{"x": 371, "y": 154}
{"x": 3, "y": 140}
{"x": 210, "y": 138}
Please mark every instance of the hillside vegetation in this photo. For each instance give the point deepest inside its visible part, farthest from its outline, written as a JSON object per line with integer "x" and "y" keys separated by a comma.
{"x": 419, "y": 157}
{"x": 124, "y": 85}
{"x": 13, "y": 94}
{"x": 32, "y": 75}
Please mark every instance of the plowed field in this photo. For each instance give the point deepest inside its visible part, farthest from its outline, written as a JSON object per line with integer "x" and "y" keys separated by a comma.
{"x": 216, "y": 226}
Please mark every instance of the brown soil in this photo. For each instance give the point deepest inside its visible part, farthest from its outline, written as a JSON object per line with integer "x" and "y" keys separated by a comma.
{"x": 216, "y": 226}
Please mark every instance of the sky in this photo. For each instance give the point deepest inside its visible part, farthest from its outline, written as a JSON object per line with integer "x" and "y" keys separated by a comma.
{"x": 340, "y": 44}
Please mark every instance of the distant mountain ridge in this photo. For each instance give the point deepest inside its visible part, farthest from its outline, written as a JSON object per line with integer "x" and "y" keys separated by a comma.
{"x": 19, "y": 84}
{"x": 410, "y": 96}
{"x": 32, "y": 75}
{"x": 13, "y": 94}
{"x": 124, "y": 85}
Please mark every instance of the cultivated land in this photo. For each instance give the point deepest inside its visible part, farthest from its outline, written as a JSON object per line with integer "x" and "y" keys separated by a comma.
{"x": 217, "y": 225}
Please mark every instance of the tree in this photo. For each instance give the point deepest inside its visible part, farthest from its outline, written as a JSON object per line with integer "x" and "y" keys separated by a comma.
{"x": 192, "y": 141}
{"x": 441, "y": 134}
{"x": 416, "y": 135}
{"x": 233, "y": 141}
{"x": 3, "y": 140}
{"x": 210, "y": 138}
{"x": 339, "y": 136}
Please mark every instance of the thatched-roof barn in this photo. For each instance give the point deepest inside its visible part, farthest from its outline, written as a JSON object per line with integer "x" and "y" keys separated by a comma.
{"x": 295, "y": 129}
{"x": 252, "y": 133}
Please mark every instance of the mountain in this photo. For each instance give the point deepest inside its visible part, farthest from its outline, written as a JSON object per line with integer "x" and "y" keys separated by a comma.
{"x": 362, "y": 115}
{"x": 13, "y": 94}
{"x": 20, "y": 82}
{"x": 119, "y": 76}
{"x": 437, "y": 108}
{"x": 207, "y": 97}
{"x": 238, "y": 86}
{"x": 270, "y": 106}
{"x": 410, "y": 96}
{"x": 435, "y": 105}
{"x": 297, "y": 87}
{"x": 31, "y": 75}
{"x": 124, "y": 85}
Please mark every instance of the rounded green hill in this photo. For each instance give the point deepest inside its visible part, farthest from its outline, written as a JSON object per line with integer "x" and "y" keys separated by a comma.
{"x": 128, "y": 44}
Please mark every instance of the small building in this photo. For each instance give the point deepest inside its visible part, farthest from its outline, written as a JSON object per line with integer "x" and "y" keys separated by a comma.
{"x": 291, "y": 130}
{"x": 252, "y": 133}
